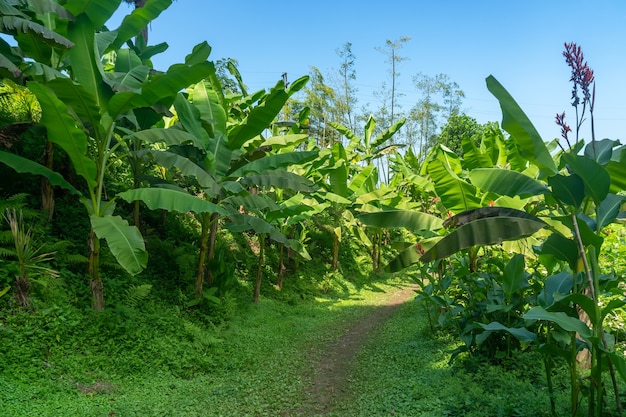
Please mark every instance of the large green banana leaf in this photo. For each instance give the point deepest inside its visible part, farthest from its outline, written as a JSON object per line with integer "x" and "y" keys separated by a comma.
{"x": 473, "y": 157}
{"x": 274, "y": 161}
{"x": 280, "y": 178}
{"x": 413, "y": 221}
{"x": 171, "y": 200}
{"x": 139, "y": 18}
{"x": 410, "y": 255}
{"x": 456, "y": 194}
{"x": 24, "y": 165}
{"x": 124, "y": 241}
{"x": 62, "y": 130}
{"x": 290, "y": 141}
{"x": 521, "y": 129}
{"x": 506, "y": 182}
{"x": 483, "y": 212}
{"x": 189, "y": 117}
{"x": 387, "y": 134}
{"x": 481, "y": 232}
{"x": 87, "y": 68}
{"x": 262, "y": 116}
{"x": 207, "y": 102}
{"x": 130, "y": 80}
{"x": 184, "y": 165}
{"x": 166, "y": 86}
{"x": 361, "y": 179}
{"x": 75, "y": 96}
{"x": 170, "y": 137}
{"x": 97, "y": 11}
{"x": 34, "y": 31}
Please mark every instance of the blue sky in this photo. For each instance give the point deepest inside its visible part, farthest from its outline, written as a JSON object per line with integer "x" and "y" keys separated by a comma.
{"x": 519, "y": 42}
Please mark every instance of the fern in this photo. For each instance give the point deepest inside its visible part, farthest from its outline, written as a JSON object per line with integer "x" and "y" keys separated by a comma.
{"x": 7, "y": 253}
{"x": 200, "y": 335}
{"x": 16, "y": 201}
{"x": 63, "y": 249}
{"x": 137, "y": 294}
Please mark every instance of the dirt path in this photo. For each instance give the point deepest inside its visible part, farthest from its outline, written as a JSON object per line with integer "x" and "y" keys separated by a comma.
{"x": 330, "y": 384}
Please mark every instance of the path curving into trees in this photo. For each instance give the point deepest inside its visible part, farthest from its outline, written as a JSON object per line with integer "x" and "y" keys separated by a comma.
{"x": 333, "y": 361}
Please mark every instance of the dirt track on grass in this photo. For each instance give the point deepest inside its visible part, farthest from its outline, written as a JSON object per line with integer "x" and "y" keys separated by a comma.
{"x": 333, "y": 361}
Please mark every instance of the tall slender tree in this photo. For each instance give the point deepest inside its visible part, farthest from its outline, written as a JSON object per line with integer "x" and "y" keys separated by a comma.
{"x": 440, "y": 98}
{"x": 390, "y": 49}
{"x": 347, "y": 99}
{"x": 321, "y": 99}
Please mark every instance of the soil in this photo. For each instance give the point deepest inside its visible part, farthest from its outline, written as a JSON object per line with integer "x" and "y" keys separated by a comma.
{"x": 330, "y": 385}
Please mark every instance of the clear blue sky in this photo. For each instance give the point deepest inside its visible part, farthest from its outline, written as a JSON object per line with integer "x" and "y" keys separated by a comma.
{"x": 519, "y": 42}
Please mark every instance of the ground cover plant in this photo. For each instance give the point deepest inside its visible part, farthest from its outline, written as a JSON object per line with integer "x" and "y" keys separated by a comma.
{"x": 174, "y": 244}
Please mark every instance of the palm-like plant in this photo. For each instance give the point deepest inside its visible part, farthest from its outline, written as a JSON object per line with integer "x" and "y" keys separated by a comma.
{"x": 31, "y": 261}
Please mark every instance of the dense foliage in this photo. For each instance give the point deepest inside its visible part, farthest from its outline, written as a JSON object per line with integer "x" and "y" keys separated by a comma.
{"x": 179, "y": 193}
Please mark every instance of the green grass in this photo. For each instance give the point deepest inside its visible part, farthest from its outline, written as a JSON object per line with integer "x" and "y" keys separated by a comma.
{"x": 159, "y": 361}
{"x": 404, "y": 371}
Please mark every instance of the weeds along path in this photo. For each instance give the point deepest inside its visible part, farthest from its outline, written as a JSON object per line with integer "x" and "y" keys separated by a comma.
{"x": 332, "y": 362}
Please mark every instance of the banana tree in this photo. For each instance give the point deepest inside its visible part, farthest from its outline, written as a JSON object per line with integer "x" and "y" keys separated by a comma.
{"x": 351, "y": 174}
{"x": 577, "y": 205}
{"x": 223, "y": 149}
{"x": 81, "y": 113}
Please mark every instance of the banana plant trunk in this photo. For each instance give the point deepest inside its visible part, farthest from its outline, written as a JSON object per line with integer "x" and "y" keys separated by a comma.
{"x": 202, "y": 257}
{"x": 281, "y": 266}
{"x": 259, "y": 272}
{"x": 336, "y": 241}
{"x": 373, "y": 253}
{"x": 211, "y": 250}
{"x": 47, "y": 192}
{"x": 97, "y": 287}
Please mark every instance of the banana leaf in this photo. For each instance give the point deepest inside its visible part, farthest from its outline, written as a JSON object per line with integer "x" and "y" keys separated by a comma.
{"x": 124, "y": 241}
{"x": 481, "y": 232}
{"x": 456, "y": 194}
{"x": 62, "y": 130}
{"x": 516, "y": 123}
{"x": 274, "y": 161}
{"x": 411, "y": 220}
{"x": 171, "y": 200}
{"x": 137, "y": 20}
{"x": 262, "y": 116}
{"x": 24, "y": 165}
{"x": 506, "y": 182}
{"x": 170, "y": 137}
{"x": 280, "y": 179}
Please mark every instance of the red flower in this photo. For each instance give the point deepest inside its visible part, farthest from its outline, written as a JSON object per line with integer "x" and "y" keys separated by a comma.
{"x": 582, "y": 75}
{"x": 565, "y": 129}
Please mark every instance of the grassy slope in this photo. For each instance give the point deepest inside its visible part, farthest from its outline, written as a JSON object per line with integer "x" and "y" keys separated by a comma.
{"x": 404, "y": 371}
{"x": 161, "y": 363}
{"x": 166, "y": 363}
